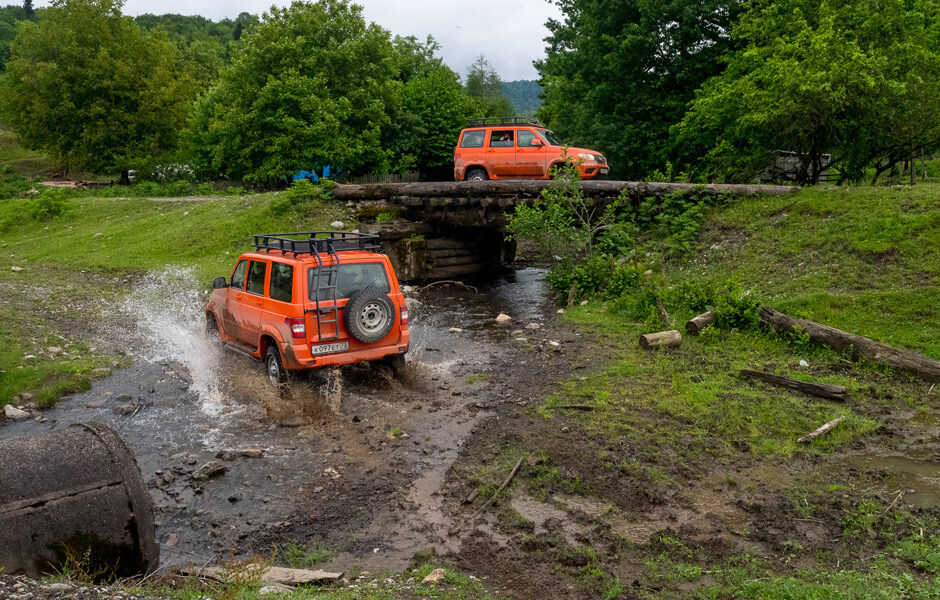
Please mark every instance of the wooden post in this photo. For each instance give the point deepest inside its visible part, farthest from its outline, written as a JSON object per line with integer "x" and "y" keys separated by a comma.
{"x": 695, "y": 325}
{"x": 662, "y": 339}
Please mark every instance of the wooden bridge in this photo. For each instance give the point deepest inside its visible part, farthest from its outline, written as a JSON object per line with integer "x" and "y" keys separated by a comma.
{"x": 454, "y": 228}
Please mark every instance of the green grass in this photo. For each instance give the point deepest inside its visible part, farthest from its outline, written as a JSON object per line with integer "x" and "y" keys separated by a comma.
{"x": 16, "y": 159}
{"x": 72, "y": 276}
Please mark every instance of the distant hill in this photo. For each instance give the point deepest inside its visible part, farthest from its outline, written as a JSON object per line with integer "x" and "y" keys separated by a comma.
{"x": 524, "y": 96}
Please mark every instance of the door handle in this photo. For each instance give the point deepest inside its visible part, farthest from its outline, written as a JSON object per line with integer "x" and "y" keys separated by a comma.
{"x": 238, "y": 295}
{"x": 258, "y": 301}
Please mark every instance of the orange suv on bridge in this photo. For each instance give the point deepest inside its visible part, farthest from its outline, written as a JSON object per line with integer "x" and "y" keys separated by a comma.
{"x": 518, "y": 148}
{"x": 307, "y": 300}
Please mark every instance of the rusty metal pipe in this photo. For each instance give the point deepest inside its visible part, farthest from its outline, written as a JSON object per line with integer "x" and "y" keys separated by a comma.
{"x": 74, "y": 494}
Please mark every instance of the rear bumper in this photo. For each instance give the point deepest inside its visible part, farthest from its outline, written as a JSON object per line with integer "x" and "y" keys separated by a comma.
{"x": 299, "y": 357}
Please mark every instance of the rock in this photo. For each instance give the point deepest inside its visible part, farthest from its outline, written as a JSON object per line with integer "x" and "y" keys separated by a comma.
{"x": 101, "y": 372}
{"x": 252, "y": 452}
{"x": 125, "y": 398}
{"x": 53, "y": 349}
{"x": 29, "y": 357}
{"x": 517, "y": 332}
{"x": 560, "y": 311}
{"x": 172, "y": 540}
{"x": 551, "y": 343}
{"x": 59, "y": 587}
{"x": 503, "y": 318}
{"x": 407, "y": 289}
{"x": 648, "y": 272}
{"x": 565, "y": 429}
{"x": 95, "y": 404}
{"x": 584, "y": 303}
{"x": 26, "y": 397}
{"x": 16, "y": 269}
{"x": 456, "y": 330}
{"x": 337, "y": 224}
{"x": 14, "y": 414}
{"x": 298, "y": 421}
{"x": 211, "y": 469}
{"x": 98, "y": 235}
{"x": 123, "y": 409}
{"x": 434, "y": 576}
{"x": 803, "y": 363}
{"x": 533, "y": 326}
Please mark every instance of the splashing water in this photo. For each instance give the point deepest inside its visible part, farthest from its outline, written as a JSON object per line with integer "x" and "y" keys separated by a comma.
{"x": 169, "y": 311}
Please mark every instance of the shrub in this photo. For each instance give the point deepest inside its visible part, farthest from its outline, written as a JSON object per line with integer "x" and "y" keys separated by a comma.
{"x": 51, "y": 203}
{"x": 737, "y": 310}
{"x": 13, "y": 186}
{"x": 302, "y": 196}
{"x": 623, "y": 280}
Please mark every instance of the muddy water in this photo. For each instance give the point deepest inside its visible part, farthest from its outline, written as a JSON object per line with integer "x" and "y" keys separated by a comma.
{"x": 336, "y": 437}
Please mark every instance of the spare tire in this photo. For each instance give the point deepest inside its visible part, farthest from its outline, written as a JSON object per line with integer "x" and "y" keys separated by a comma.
{"x": 369, "y": 315}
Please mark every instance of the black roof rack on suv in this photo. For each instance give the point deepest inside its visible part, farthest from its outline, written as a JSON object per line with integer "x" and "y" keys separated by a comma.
{"x": 503, "y": 121}
{"x": 315, "y": 242}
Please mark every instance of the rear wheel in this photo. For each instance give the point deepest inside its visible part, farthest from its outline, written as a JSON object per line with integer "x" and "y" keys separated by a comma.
{"x": 274, "y": 366}
{"x": 477, "y": 174}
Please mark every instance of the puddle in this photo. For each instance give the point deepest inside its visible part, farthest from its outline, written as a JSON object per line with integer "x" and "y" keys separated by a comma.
{"x": 184, "y": 403}
{"x": 896, "y": 473}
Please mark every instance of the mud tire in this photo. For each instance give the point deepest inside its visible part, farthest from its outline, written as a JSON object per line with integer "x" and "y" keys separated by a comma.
{"x": 212, "y": 330}
{"x": 274, "y": 367}
{"x": 477, "y": 174}
{"x": 396, "y": 363}
{"x": 369, "y": 315}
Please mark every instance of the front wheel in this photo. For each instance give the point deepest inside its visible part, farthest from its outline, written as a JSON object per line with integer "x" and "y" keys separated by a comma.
{"x": 274, "y": 366}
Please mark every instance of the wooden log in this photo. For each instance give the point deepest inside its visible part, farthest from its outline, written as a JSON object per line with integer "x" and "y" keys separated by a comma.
{"x": 861, "y": 347}
{"x": 662, "y": 313}
{"x": 532, "y": 188}
{"x": 278, "y": 575}
{"x": 695, "y": 325}
{"x": 822, "y": 430}
{"x": 662, "y": 339}
{"x": 823, "y": 390}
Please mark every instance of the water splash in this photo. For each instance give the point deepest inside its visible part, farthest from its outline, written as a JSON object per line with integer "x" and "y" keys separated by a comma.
{"x": 169, "y": 311}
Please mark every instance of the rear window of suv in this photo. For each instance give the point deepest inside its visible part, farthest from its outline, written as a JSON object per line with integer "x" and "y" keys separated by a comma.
{"x": 472, "y": 139}
{"x": 352, "y": 277}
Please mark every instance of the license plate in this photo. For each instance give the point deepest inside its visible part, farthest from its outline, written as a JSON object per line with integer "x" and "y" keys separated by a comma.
{"x": 603, "y": 171}
{"x": 329, "y": 348}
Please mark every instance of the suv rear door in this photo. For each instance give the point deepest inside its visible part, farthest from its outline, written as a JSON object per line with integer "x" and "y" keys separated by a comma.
{"x": 501, "y": 152}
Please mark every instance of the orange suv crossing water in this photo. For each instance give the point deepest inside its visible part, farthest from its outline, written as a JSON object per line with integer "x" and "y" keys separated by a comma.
{"x": 307, "y": 300}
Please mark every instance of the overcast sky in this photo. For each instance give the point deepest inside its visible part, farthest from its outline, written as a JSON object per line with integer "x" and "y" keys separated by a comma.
{"x": 509, "y": 33}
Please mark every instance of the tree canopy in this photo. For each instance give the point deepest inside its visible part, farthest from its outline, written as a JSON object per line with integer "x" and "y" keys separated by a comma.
{"x": 311, "y": 85}
{"x": 485, "y": 87}
{"x": 88, "y": 87}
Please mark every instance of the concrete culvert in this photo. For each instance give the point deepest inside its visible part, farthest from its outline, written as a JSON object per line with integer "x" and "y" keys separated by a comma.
{"x": 74, "y": 497}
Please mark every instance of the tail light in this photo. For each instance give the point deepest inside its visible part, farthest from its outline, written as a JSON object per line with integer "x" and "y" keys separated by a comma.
{"x": 297, "y": 328}
{"x": 404, "y": 315}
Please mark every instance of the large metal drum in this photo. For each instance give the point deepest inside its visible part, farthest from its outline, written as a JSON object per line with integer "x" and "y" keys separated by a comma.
{"x": 74, "y": 494}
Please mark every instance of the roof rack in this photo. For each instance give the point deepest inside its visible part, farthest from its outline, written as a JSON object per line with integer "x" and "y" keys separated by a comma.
{"x": 315, "y": 242}
{"x": 503, "y": 121}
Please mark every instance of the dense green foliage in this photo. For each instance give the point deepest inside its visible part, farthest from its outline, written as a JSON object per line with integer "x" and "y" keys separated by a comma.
{"x": 309, "y": 86}
{"x": 85, "y": 85}
{"x": 485, "y": 87}
{"x": 859, "y": 81}
{"x": 618, "y": 75}
{"x": 9, "y": 17}
{"x": 523, "y": 95}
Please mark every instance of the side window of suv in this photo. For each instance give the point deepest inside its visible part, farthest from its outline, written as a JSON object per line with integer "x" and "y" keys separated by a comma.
{"x": 282, "y": 282}
{"x": 238, "y": 275}
{"x": 526, "y": 138}
{"x": 501, "y": 138}
{"x": 256, "y": 273}
{"x": 472, "y": 139}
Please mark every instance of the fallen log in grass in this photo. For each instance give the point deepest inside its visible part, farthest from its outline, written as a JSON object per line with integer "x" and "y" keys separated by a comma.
{"x": 662, "y": 339}
{"x": 695, "y": 325}
{"x": 822, "y": 430}
{"x": 823, "y": 390}
{"x": 861, "y": 347}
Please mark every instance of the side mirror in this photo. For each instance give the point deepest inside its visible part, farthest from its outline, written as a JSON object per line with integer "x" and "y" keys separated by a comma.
{"x": 219, "y": 283}
{"x": 536, "y": 142}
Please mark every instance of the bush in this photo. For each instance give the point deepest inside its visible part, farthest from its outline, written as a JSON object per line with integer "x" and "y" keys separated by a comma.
{"x": 51, "y": 203}
{"x": 737, "y": 310}
{"x": 623, "y": 280}
{"x": 13, "y": 186}
{"x": 301, "y": 196}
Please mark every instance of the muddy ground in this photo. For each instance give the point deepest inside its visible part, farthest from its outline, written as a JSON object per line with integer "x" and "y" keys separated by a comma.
{"x": 379, "y": 469}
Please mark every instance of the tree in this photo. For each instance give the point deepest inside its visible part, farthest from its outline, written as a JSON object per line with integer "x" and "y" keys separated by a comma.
{"x": 859, "y": 82}
{"x": 485, "y": 87}
{"x": 311, "y": 85}
{"x": 617, "y": 75}
{"x": 28, "y": 9}
{"x": 86, "y": 86}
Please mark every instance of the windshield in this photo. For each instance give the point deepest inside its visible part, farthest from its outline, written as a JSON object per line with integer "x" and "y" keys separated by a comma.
{"x": 549, "y": 136}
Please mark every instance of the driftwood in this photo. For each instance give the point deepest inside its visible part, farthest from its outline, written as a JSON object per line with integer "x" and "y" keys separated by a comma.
{"x": 695, "y": 325}
{"x": 822, "y": 430}
{"x": 823, "y": 390}
{"x": 862, "y": 347}
{"x": 276, "y": 575}
{"x": 662, "y": 339}
{"x": 667, "y": 322}
{"x": 501, "y": 488}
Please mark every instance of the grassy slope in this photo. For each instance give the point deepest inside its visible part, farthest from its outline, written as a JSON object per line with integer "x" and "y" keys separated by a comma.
{"x": 864, "y": 260}
{"x": 68, "y": 267}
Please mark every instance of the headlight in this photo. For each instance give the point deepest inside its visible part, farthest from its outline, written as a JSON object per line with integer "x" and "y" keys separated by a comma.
{"x": 586, "y": 156}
